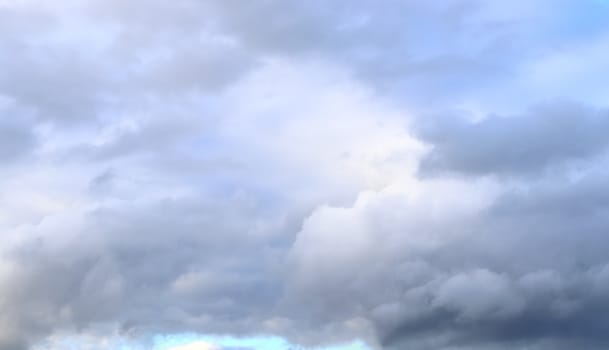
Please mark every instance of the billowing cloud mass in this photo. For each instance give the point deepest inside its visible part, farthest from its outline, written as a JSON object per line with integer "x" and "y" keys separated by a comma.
{"x": 408, "y": 174}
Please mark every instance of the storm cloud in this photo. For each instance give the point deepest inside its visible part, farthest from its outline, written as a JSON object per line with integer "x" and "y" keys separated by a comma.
{"x": 406, "y": 174}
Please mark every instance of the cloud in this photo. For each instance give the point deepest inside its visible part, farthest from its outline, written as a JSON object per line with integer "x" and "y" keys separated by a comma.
{"x": 548, "y": 135}
{"x": 155, "y": 233}
{"x": 289, "y": 169}
{"x": 16, "y": 139}
{"x": 540, "y": 286}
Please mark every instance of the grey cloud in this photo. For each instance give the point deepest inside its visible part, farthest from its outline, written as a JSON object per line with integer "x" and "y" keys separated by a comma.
{"x": 132, "y": 56}
{"x": 175, "y": 212}
{"x": 515, "y": 274}
{"x": 425, "y": 53}
{"x": 537, "y": 307}
{"x": 187, "y": 264}
{"x": 524, "y": 277}
{"x": 548, "y": 135}
{"x": 15, "y": 140}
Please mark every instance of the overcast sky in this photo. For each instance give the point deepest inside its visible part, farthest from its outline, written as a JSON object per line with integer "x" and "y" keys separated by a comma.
{"x": 298, "y": 174}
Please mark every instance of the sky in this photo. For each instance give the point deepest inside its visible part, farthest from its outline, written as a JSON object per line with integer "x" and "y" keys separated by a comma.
{"x": 299, "y": 175}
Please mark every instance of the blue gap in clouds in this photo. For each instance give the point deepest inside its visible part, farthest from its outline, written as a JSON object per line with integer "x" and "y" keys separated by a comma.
{"x": 167, "y": 342}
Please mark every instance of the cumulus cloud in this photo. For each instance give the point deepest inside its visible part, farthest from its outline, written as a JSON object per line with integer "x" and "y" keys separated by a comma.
{"x": 387, "y": 172}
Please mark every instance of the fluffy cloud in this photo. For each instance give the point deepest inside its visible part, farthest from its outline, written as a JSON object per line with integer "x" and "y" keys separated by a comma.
{"x": 322, "y": 172}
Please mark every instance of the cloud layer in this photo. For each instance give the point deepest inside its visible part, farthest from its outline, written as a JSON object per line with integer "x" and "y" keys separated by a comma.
{"x": 405, "y": 173}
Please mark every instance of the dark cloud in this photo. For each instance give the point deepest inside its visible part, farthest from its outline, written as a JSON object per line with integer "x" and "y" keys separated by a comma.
{"x": 547, "y": 285}
{"x": 528, "y": 276}
{"x": 546, "y": 136}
